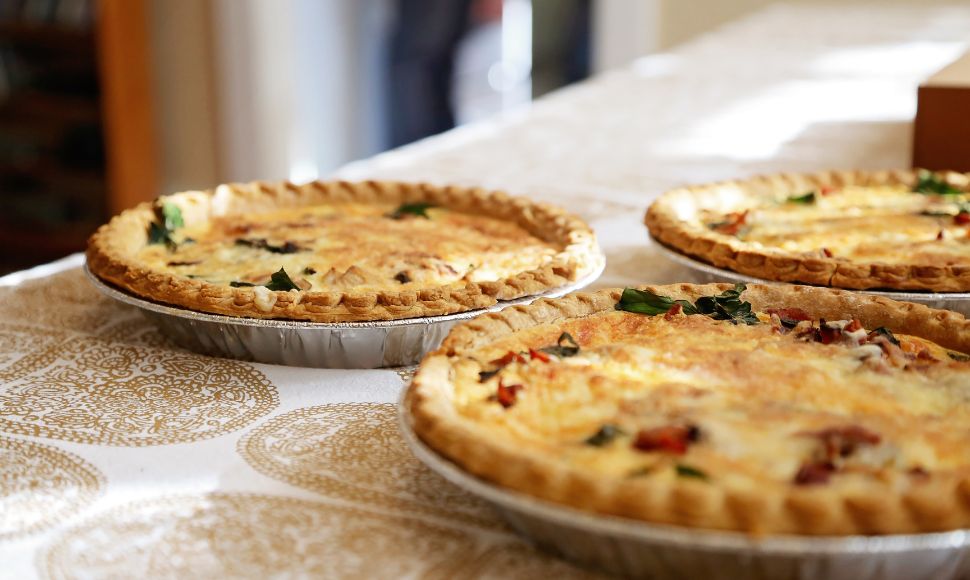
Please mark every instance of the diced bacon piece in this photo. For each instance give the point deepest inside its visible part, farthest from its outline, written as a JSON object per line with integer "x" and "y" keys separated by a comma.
{"x": 844, "y": 440}
{"x": 894, "y": 353}
{"x": 827, "y": 332}
{"x": 804, "y": 331}
{"x": 918, "y": 472}
{"x": 814, "y": 473}
{"x": 789, "y": 317}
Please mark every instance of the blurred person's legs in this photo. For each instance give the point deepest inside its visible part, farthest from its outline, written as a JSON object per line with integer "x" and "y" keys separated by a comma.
{"x": 424, "y": 40}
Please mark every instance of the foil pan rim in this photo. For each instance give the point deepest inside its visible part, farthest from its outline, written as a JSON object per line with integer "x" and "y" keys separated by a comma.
{"x": 694, "y": 264}
{"x": 699, "y": 539}
{"x": 186, "y": 314}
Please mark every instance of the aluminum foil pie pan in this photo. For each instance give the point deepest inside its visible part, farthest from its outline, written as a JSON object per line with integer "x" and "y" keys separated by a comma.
{"x": 345, "y": 345}
{"x": 704, "y": 273}
{"x": 639, "y": 549}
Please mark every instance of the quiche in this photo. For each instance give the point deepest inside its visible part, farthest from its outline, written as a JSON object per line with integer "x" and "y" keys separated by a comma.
{"x": 899, "y": 230}
{"x": 341, "y": 251}
{"x": 767, "y": 409}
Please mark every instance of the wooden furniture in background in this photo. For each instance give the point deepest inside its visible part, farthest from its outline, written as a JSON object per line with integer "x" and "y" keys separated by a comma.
{"x": 77, "y": 137}
{"x": 127, "y": 103}
{"x": 941, "y": 137}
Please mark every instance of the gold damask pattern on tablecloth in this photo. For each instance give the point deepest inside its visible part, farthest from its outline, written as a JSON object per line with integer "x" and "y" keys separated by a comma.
{"x": 41, "y": 486}
{"x": 260, "y": 536}
{"x": 66, "y": 303}
{"x": 63, "y": 301}
{"x": 22, "y": 348}
{"x": 89, "y": 390}
{"x": 354, "y": 451}
{"x": 76, "y": 366}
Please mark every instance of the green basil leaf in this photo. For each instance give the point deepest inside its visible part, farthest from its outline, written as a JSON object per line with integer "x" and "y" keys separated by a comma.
{"x": 688, "y": 471}
{"x": 418, "y": 209}
{"x": 566, "y": 346}
{"x": 935, "y": 213}
{"x": 724, "y": 306}
{"x": 262, "y": 244}
{"x": 929, "y": 183}
{"x": 728, "y": 306}
{"x": 606, "y": 434}
{"x": 172, "y": 216}
{"x": 646, "y": 302}
{"x": 883, "y": 331}
{"x": 485, "y": 375}
{"x": 958, "y": 356}
{"x": 236, "y": 284}
{"x": 804, "y": 199}
{"x": 157, "y": 234}
{"x": 169, "y": 219}
{"x": 281, "y": 281}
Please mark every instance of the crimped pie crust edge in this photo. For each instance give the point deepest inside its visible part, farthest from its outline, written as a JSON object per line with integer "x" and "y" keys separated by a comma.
{"x": 724, "y": 251}
{"x": 942, "y": 503}
{"x": 111, "y": 250}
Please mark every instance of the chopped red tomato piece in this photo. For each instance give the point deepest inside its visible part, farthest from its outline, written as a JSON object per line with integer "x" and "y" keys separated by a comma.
{"x": 508, "y": 358}
{"x": 674, "y": 311}
{"x": 827, "y": 252}
{"x": 962, "y": 218}
{"x": 672, "y": 439}
{"x": 732, "y": 223}
{"x": 507, "y": 394}
{"x": 538, "y": 355}
{"x": 828, "y": 190}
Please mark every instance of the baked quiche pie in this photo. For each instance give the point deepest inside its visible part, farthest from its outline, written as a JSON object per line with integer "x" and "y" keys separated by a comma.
{"x": 340, "y": 251}
{"x": 901, "y": 230}
{"x": 768, "y": 409}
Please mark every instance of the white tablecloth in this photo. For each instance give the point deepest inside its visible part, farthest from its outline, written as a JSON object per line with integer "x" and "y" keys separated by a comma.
{"x": 121, "y": 455}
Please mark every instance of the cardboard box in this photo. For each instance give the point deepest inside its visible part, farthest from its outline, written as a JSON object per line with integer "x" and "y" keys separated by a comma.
{"x": 941, "y": 137}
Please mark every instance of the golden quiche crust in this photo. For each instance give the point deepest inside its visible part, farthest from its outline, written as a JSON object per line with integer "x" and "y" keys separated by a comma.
{"x": 676, "y": 220}
{"x": 450, "y": 414}
{"x": 116, "y": 252}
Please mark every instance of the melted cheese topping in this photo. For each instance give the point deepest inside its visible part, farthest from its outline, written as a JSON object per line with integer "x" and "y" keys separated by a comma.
{"x": 760, "y": 400}
{"x": 867, "y": 224}
{"x": 351, "y": 246}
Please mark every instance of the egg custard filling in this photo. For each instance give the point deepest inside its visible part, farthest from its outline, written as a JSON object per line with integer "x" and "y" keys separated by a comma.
{"x": 860, "y": 230}
{"x": 350, "y": 245}
{"x": 684, "y": 407}
{"x": 342, "y": 251}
